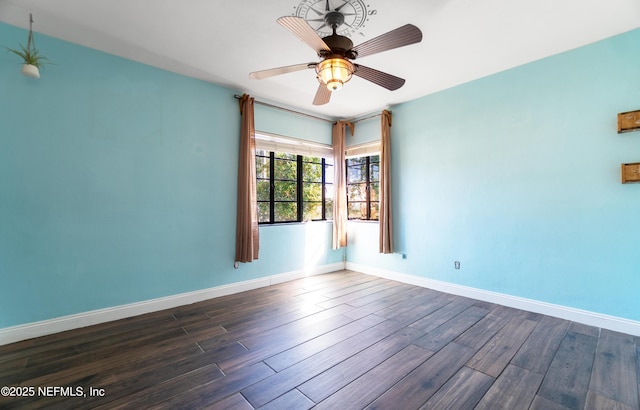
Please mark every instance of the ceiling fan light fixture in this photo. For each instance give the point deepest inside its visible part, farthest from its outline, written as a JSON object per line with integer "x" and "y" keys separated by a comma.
{"x": 334, "y": 72}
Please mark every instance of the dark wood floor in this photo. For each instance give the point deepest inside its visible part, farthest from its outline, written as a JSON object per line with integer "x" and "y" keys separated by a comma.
{"x": 337, "y": 341}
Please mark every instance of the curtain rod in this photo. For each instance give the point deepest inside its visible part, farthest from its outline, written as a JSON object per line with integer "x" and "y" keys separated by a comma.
{"x": 365, "y": 118}
{"x": 237, "y": 97}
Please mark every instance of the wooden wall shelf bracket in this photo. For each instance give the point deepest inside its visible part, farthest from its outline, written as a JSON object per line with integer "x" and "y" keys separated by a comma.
{"x": 629, "y": 121}
{"x": 630, "y": 172}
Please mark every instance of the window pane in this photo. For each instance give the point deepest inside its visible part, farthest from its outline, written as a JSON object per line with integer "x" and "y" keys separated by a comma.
{"x": 357, "y": 173}
{"x": 357, "y": 192}
{"x": 375, "y": 192}
{"x": 328, "y": 191}
{"x": 374, "y": 172}
{"x": 363, "y": 176}
{"x": 328, "y": 209}
{"x": 263, "y": 212}
{"x": 375, "y": 210}
{"x": 311, "y": 191}
{"x": 262, "y": 167}
{"x": 328, "y": 174}
{"x": 286, "y": 211}
{"x": 283, "y": 183}
{"x": 328, "y": 202}
{"x": 285, "y": 191}
{"x": 312, "y": 172}
{"x": 357, "y": 210}
{"x": 285, "y": 170}
{"x": 262, "y": 188}
{"x": 312, "y": 211}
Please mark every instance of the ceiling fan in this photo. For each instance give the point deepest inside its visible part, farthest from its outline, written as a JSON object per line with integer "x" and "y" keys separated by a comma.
{"x": 336, "y": 52}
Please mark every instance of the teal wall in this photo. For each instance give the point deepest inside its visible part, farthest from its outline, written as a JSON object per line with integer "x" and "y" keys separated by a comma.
{"x": 366, "y": 130}
{"x": 281, "y": 122}
{"x": 118, "y": 185}
{"x": 517, "y": 176}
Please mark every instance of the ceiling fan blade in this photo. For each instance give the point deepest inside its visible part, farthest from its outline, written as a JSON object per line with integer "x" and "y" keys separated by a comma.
{"x": 388, "y": 81}
{"x": 400, "y": 37}
{"x": 323, "y": 95}
{"x": 301, "y": 29}
{"x": 259, "y": 75}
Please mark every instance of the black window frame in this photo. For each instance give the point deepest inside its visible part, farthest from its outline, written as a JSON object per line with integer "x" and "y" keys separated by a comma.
{"x": 300, "y": 160}
{"x": 367, "y": 182}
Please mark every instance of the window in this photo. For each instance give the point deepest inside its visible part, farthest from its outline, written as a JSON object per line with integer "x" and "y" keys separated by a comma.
{"x": 293, "y": 188}
{"x": 363, "y": 176}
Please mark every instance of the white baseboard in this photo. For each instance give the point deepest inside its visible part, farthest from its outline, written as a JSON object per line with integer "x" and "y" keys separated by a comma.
{"x": 61, "y": 324}
{"x": 575, "y": 315}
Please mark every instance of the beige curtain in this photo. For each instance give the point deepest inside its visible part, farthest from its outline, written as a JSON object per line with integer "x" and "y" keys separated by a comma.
{"x": 340, "y": 185}
{"x": 386, "y": 219}
{"x": 247, "y": 234}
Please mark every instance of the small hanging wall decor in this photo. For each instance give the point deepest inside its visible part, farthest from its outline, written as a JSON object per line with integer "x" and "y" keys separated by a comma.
{"x": 31, "y": 58}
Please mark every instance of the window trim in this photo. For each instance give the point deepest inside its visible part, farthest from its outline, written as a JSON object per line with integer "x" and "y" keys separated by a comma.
{"x": 370, "y": 148}
{"x": 279, "y": 143}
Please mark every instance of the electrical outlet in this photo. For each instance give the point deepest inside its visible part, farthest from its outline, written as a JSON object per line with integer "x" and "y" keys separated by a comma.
{"x": 456, "y": 264}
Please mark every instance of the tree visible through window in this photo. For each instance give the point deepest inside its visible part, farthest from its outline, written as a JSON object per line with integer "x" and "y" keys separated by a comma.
{"x": 293, "y": 188}
{"x": 363, "y": 176}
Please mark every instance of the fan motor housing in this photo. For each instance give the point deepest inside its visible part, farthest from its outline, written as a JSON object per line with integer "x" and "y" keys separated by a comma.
{"x": 339, "y": 45}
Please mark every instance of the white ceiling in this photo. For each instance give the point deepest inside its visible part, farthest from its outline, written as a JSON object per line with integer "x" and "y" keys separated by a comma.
{"x": 223, "y": 41}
